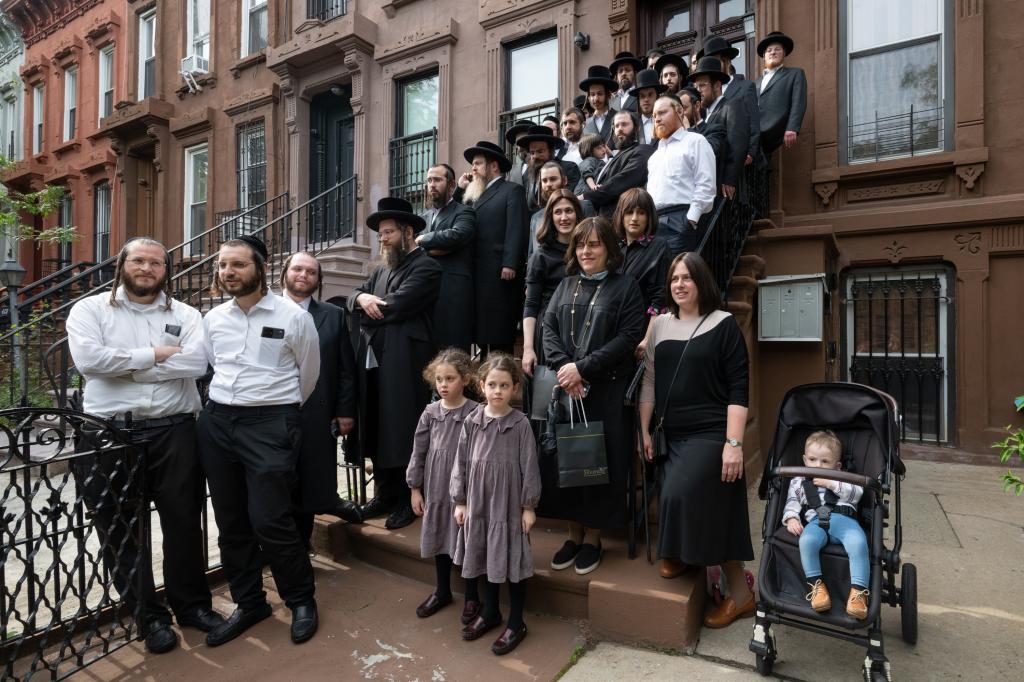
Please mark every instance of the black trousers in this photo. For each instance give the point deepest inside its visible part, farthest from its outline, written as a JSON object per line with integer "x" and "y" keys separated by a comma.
{"x": 389, "y": 485}
{"x": 174, "y": 483}
{"x": 249, "y": 455}
{"x": 677, "y": 230}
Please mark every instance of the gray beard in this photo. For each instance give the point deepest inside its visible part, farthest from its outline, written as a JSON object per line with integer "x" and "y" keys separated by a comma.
{"x": 474, "y": 190}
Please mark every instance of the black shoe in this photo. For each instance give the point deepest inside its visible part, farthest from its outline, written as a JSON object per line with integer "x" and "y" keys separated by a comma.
{"x": 374, "y": 508}
{"x": 160, "y": 638}
{"x": 237, "y": 623}
{"x": 588, "y": 559}
{"x": 347, "y": 510}
{"x": 201, "y": 619}
{"x": 400, "y": 518}
{"x": 304, "y": 622}
{"x": 565, "y": 557}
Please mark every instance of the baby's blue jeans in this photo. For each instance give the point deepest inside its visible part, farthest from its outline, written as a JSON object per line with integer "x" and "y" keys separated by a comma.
{"x": 844, "y": 531}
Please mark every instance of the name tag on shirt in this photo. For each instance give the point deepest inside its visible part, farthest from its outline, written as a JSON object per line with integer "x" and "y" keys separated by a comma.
{"x": 272, "y": 333}
{"x": 172, "y": 329}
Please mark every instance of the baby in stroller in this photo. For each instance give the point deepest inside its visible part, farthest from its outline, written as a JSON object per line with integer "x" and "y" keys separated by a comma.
{"x": 829, "y": 509}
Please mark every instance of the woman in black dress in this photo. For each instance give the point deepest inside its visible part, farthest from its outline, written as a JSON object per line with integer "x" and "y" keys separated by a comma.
{"x": 546, "y": 270}
{"x": 703, "y": 501}
{"x": 591, "y": 327}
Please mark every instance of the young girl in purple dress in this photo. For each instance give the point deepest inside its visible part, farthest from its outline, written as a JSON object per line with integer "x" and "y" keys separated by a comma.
{"x": 495, "y": 486}
{"x": 430, "y": 472}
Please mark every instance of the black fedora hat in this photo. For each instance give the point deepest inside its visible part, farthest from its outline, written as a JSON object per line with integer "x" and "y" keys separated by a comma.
{"x": 579, "y": 101}
{"x": 675, "y": 59}
{"x": 718, "y": 46}
{"x": 775, "y": 37}
{"x": 398, "y": 209}
{"x": 648, "y": 78}
{"x": 541, "y": 134}
{"x": 599, "y": 75}
{"x": 625, "y": 58}
{"x": 491, "y": 151}
{"x": 709, "y": 66}
{"x": 520, "y": 126}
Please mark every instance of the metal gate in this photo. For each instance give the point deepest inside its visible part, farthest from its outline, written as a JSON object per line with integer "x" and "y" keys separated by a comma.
{"x": 74, "y": 531}
{"x": 898, "y": 337}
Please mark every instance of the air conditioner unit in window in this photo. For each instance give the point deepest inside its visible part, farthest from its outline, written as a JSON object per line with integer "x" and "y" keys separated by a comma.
{"x": 195, "y": 63}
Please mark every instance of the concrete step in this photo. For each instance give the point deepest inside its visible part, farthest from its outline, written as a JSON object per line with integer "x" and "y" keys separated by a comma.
{"x": 624, "y": 600}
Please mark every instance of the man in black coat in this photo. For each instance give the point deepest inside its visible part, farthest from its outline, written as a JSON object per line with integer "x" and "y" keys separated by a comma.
{"x": 646, "y": 92}
{"x": 782, "y": 94}
{"x": 738, "y": 89}
{"x": 723, "y": 114}
{"x": 628, "y": 168}
{"x": 331, "y": 410}
{"x": 540, "y": 145}
{"x": 395, "y": 306}
{"x": 599, "y": 86}
{"x": 500, "y": 249}
{"x": 451, "y": 229}
{"x": 624, "y": 68}
{"x": 517, "y": 174}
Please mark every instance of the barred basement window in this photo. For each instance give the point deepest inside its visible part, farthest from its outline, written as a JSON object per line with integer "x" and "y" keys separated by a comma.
{"x": 101, "y": 221}
{"x": 251, "y": 165}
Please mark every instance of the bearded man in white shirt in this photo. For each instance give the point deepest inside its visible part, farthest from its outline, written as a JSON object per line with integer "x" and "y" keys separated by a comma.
{"x": 140, "y": 353}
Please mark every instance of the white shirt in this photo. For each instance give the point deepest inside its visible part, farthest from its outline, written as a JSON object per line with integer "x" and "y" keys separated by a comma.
{"x": 682, "y": 171}
{"x": 572, "y": 153}
{"x": 270, "y": 356}
{"x": 113, "y": 349}
{"x": 768, "y": 73}
{"x": 599, "y": 120}
{"x": 648, "y": 124}
{"x": 304, "y": 303}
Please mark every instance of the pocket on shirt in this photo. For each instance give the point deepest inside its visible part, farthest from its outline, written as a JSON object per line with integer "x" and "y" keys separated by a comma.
{"x": 270, "y": 352}
{"x": 170, "y": 340}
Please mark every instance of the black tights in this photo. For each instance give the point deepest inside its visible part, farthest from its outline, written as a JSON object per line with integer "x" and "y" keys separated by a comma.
{"x": 443, "y": 566}
{"x": 517, "y": 601}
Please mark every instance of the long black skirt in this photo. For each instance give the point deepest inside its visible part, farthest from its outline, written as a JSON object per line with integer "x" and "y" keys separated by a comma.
{"x": 702, "y": 520}
{"x": 595, "y": 506}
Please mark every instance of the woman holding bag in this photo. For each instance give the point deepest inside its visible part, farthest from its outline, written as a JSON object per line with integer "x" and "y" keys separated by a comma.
{"x": 592, "y": 325}
{"x": 693, "y": 407}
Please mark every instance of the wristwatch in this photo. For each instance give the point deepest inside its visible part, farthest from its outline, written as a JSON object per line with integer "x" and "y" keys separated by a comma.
{"x": 733, "y": 442}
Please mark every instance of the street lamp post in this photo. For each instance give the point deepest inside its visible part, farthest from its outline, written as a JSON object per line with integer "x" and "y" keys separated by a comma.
{"x": 12, "y": 274}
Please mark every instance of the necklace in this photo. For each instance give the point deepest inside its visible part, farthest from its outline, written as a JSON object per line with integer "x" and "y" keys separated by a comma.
{"x": 587, "y": 320}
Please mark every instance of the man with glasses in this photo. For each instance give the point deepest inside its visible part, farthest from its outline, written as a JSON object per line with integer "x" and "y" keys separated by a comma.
{"x": 140, "y": 353}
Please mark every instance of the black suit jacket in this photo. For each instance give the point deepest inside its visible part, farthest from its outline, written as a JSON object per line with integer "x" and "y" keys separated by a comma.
{"x": 448, "y": 238}
{"x": 744, "y": 91}
{"x": 782, "y": 106}
{"x": 627, "y": 169}
{"x": 732, "y": 119}
{"x": 606, "y": 129}
{"x": 624, "y": 103}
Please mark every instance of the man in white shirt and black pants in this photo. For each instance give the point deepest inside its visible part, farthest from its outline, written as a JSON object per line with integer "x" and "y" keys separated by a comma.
{"x": 266, "y": 361}
{"x": 141, "y": 353}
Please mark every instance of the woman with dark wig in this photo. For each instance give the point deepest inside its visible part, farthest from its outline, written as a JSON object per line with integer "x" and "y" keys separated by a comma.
{"x": 591, "y": 327}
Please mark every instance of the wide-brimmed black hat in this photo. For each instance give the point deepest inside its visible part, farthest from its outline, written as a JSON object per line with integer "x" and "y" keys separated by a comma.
{"x": 625, "y": 58}
{"x": 648, "y": 78}
{"x": 775, "y": 37}
{"x": 718, "y": 46}
{"x": 709, "y": 66}
{"x": 541, "y": 134}
{"x": 256, "y": 243}
{"x": 599, "y": 75}
{"x": 395, "y": 208}
{"x": 519, "y": 126}
{"x": 579, "y": 101}
{"x": 667, "y": 59}
{"x": 491, "y": 151}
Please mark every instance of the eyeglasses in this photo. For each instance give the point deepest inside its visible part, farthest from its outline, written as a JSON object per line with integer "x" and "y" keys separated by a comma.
{"x": 143, "y": 262}
{"x": 233, "y": 264}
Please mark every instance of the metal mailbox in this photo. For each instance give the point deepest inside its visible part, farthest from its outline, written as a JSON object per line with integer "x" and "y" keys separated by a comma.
{"x": 790, "y": 308}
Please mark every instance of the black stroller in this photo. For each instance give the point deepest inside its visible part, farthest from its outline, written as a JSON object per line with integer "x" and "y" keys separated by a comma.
{"x": 867, "y": 422}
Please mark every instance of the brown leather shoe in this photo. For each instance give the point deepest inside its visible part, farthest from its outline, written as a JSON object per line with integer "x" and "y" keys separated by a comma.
{"x": 479, "y": 627}
{"x": 672, "y": 568}
{"x": 728, "y": 612}
{"x": 432, "y": 605}
{"x": 509, "y": 640}
{"x": 470, "y": 611}
{"x": 857, "y": 604}
{"x": 819, "y": 597}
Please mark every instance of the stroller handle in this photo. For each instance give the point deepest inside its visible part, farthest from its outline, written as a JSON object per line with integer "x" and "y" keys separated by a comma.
{"x": 831, "y": 474}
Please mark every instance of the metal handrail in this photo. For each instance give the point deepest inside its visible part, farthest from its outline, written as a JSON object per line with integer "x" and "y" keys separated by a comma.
{"x": 52, "y": 276}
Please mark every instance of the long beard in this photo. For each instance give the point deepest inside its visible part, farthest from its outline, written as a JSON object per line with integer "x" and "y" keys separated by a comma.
{"x": 395, "y": 255}
{"x": 474, "y": 190}
{"x": 140, "y": 290}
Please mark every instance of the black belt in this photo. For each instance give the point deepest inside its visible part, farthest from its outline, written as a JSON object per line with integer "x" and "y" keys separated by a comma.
{"x": 251, "y": 410}
{"x": 673, "y": 209}
{"x": 153, "y": 423}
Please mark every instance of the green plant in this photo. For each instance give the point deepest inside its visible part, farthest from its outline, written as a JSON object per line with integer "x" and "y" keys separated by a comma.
{"x": 1012, "y": 445}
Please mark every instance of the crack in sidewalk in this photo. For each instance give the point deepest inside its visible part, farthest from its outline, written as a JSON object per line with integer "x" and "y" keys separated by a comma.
{"x": 949, "y": 523}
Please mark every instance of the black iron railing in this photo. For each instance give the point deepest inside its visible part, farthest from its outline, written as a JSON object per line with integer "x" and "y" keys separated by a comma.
{"x": 534, "y": 112}
{"x": 410, "y": 158}
{"x": 918, "y": 131}
{"x": 325, "y": 10}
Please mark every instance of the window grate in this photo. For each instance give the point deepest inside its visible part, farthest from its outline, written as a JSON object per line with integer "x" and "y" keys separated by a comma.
{"x": 913, "y": 133}
{"x": 325, "y": 10}
{"x": 410, "y": 158}
{"x": 533, "y": 112}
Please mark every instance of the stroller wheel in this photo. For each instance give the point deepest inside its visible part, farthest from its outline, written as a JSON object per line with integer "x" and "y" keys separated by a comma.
{"x": 908, "y": 603}
{"x": 764, "y": 664}
{"x": 877, "y": 674}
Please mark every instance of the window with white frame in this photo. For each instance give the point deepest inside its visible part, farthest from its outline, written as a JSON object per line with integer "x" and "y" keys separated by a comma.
{"x": 147, "y": 54}
{"x": 101, "y": 221}
{"x": 70, "y": 101}
{"x": 198, "y": 33}
{"x": 10, "y": 124}
{"x": 895, "y": 69}
{"x": 254, "y": 26}
{"x": 196, "y": 165}
{"x": 106, "y": 83}
{"x": 533, "y": 72}
{"x": 37, "y": 119}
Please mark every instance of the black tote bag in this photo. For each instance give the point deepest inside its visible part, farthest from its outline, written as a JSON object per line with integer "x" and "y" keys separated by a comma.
{"x": 582, "y": 459}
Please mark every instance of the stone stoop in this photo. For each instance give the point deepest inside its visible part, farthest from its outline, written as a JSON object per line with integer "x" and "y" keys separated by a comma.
{"x": 345, "y": 267}
{"x": 624, "y": 600}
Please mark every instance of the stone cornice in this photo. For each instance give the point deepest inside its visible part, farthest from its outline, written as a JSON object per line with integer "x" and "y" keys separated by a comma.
{"x": 495, "y": 12}
{"x": 252, "y": 100}
{"x": 37, "y": 20}
{"x": 420, "y": 41}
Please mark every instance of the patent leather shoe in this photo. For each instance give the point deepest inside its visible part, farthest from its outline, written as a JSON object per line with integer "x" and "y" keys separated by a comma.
{"x": 201, "y": 619}
{"x": 400, "y": 518}
{"x": 432, "y": 605}
{"x": 479, "y": 627}
{"x": 237, "y": 623}
{"x": 509, "y": 640}
{"x": 304, "y": 622}
{"x": 160, "y": 638}
{"x": 346, "y": 510}
{"x": 374, "y": 508}
{"x": 470, "y": 611}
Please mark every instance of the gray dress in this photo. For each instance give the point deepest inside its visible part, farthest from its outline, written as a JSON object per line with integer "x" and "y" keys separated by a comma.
{"x": 495, "y": 476}
{"x": 430, "y": 469}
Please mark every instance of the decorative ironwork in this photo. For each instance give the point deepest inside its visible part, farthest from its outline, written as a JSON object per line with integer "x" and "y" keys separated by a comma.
{"x": 534, "y": 112}
{"x": 409, "y": 159}
{"x": 918, "y": 131}
{"x": 325, "y": 10}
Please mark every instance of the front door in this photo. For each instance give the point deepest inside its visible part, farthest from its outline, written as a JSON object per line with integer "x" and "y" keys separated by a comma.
{"x": 332, "y": 161}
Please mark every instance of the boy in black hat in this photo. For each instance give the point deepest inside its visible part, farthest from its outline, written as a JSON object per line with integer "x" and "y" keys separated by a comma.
{"x": 540, "y": 147}
{"x": 645, "y": 92}
{"x": 782, "y": 94}
{"x": 599, "y": 86}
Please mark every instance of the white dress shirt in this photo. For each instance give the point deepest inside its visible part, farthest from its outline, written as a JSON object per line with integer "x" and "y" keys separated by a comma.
{"x": 599, "y": 120}
{"x": 270, "y": 356}
{"x": 768, "y": 73}
{"x": 112, "y": 347}
{"x": 648, "y": 124}
{"x": 572, "y": 153}
{"x": 682, "y": 171}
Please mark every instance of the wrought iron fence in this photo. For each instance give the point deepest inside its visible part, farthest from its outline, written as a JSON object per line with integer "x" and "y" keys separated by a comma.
{"x": 534, "y": 112}
{"x": 70, "y": 532}
{"x": 325, "y": 10}
{"x": 918, "y": 131}
{"x": 410, "y": 158}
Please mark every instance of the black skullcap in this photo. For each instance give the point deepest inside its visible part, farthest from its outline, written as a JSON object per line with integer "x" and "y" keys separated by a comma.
{"x": 256, "y": 243}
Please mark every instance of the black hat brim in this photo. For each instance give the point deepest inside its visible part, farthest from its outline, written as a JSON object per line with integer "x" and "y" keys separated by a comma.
{"x": 727, "y": 52}
{"x": 638, "y": 65}
{"x": 784, "y": 40}
{"x": 658, "y": 88}
{"x": 504, "y": 165}
{"x": 510, "y": 134}
{"x": 608, "y": 83}
{"x": 374, "y": 220}
{"x": 720, "y": 76}
{"x": 556, "y": 142}
{"x": 667, "y": 59}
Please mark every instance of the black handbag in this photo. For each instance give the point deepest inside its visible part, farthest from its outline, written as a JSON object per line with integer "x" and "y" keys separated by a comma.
{"x": 545, "y": 380}
{"x": 658, "y": 438}
{"x": 581, "y": 456}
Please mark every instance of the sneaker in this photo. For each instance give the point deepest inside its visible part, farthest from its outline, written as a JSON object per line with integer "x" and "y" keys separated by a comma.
{"x": 857, "y": 604}
{"x": 565, "y": 557}
{"x": 588, "y": 559}
{"x": 818, "y": 596}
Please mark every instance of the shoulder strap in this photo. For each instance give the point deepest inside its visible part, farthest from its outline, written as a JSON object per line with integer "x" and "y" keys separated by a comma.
{"x": 811, "y": 493}
{"x": 664, "y": 406}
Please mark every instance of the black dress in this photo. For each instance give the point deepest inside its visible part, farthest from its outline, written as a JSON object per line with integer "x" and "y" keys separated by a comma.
{"x": 647, "y": 260}
{"x": 702, "y": 520}
{"x": 605, "y": 361}
{"x": 544, "y": 272}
